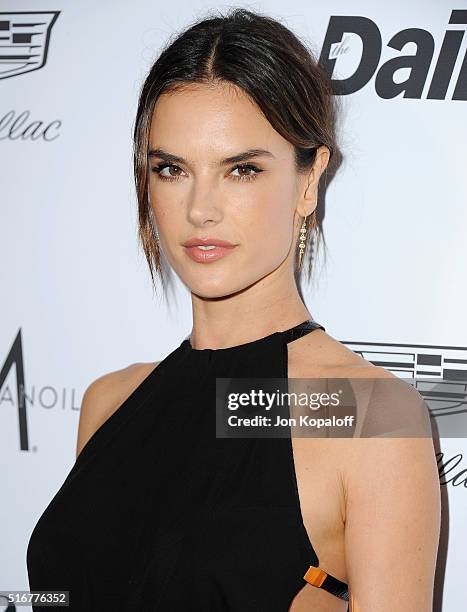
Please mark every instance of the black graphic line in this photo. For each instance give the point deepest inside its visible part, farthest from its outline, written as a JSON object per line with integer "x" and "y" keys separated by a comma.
{"x": 22, "y": 63}
{"x": 26, "y": 25}
{"x": 18, "y": 57}
{"x": 412, "y": 346}
{"x": 392, "y": 364}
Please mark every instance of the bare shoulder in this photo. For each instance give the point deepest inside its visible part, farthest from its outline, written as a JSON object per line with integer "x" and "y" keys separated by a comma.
{"x": 384, "y": 403}
{"x": 105, "y": 394}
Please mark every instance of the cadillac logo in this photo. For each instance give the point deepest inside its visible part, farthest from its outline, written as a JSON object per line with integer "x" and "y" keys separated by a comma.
{"x": 24, "y": 41}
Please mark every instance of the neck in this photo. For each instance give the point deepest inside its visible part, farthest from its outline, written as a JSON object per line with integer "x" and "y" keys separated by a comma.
{"x": 244, "y": 316}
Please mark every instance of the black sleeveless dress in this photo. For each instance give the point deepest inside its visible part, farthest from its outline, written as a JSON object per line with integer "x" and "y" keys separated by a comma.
{"x": 159, "y": 514}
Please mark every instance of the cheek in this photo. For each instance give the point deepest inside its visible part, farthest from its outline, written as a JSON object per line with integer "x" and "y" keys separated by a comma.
{"x": 168, "y": 212}
{"x": 269, "y": 219}
{"x": 169, "y": 223}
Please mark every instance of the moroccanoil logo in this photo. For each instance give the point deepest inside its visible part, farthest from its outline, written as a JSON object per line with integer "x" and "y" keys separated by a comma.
{"x": 17, "y": 399}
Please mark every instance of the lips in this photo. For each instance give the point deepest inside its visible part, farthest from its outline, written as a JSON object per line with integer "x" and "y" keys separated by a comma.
{"x": 193, "y": 242}
{"x": 207, "y": 250}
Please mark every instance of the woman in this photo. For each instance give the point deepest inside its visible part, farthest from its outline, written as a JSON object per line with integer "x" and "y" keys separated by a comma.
{"x": 234, "y": 129}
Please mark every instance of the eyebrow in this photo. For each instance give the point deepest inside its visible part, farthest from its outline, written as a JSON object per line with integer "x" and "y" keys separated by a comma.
{"x": 240, "y": 157}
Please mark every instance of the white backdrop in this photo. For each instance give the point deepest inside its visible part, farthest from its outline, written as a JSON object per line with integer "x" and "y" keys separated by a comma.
{"x": 76, "y": 294}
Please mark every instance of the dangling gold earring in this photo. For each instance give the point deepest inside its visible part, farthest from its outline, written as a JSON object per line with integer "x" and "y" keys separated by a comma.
{"x": 302, "y": 243}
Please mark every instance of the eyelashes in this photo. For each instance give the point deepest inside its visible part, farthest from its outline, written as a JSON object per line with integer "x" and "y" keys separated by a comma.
{"x": 245, "y": 177}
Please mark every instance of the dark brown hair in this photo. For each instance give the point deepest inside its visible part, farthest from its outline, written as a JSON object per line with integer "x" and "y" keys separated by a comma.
{"x": 271, "y": 65}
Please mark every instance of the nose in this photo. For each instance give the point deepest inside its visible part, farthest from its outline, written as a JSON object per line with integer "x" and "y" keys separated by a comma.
{"x": 203, "y": 206}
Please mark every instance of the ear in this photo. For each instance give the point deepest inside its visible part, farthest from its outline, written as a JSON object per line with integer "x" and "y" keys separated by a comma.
{"x": 308, "y": 197}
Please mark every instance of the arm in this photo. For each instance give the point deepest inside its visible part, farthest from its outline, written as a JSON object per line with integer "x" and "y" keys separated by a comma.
{"x": 392, "y": 524}
{"x": 95, "y": 409}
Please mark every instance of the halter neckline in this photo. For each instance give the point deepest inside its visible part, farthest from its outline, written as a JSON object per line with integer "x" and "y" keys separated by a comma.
{"x": 288, "y": 335}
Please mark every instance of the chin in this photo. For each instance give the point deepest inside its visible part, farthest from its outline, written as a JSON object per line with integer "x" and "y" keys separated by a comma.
{"x": 209, "y": 285}
{"x": 213, "y": 290}
{"x": 212, "y": 281}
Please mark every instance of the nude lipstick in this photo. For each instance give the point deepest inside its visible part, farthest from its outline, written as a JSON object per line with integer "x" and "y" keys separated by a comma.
{"x": 207, "y": 250}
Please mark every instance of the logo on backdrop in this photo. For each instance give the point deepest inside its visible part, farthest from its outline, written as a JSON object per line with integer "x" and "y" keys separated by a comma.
{"x": 439, "y": 374}
{"x": 352, "y": 48}
{"x": 15, "y": 357}
{"x": 450, "y": 471}
{"x": 16, "y": 401}
{"x": 15, "y": 127}
{"x": 24, "y": 41}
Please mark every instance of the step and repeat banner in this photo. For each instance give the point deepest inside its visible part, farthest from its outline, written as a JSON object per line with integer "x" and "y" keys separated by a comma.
{"x": 76, "y": 295}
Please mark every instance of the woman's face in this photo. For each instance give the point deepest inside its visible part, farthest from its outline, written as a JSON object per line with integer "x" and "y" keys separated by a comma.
{"x": 250, "y": 204}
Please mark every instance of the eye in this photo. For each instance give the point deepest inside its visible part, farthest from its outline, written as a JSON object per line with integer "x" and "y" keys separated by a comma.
{"x": 164, "y": 177}
{"x": 246, "y": 177}
{"x": 251, "y": 172}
